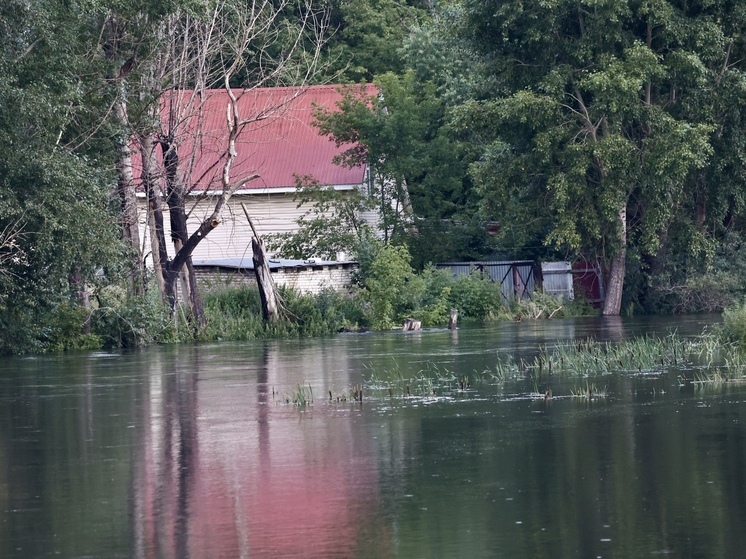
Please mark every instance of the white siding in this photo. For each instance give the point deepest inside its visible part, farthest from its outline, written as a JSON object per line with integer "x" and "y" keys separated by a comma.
{"x": 271, "y": 213}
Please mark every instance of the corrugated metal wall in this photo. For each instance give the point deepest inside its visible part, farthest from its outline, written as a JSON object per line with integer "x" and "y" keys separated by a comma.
{"x": 557, "y": 279}
{"x": 516, "y": 277}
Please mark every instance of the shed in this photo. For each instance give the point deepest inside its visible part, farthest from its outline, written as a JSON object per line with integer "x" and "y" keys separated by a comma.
{"x": 557, "y": 279}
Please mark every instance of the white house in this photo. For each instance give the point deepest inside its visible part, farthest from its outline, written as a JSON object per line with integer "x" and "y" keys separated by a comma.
{"x": 279, "y": 144}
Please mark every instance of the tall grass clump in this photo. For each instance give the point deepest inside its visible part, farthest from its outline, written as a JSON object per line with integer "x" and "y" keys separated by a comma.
{"x": 639, "y": 355}
{"x": 123, "y": 321}
{"x": 234, "y": 313}
{"x": 733, "y": 328}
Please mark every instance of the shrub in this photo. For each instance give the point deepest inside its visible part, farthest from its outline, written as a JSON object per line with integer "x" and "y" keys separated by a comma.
{"x": 733, "y": 327}
{"x": 127, "y": 322}
{"x": 477, "y": 297}
{"x": 393, "y": 289}
{"x": 68, "y": 328}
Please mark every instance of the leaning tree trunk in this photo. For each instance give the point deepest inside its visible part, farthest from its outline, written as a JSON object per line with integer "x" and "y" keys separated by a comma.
{"x": 267, "y": 291}
{"x": 615, "y": 283}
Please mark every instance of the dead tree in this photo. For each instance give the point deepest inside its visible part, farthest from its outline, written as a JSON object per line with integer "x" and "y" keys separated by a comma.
{"x": 267, "y": 291}
{"x": 197, "y": 55}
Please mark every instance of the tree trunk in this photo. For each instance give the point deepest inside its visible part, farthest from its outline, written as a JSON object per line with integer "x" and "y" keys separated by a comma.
{"x": 126, "y": 182}
{"x": 128, "y": 201}
{"x": 179, "y": 234}
{"x": 267, "y": 291}
{"x": 165, "y": 280}
{"x": 615, "y": 283}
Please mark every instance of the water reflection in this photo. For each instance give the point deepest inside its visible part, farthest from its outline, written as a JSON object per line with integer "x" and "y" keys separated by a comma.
{"x": 228, "y": 472}
{"x": 193, "y": 452}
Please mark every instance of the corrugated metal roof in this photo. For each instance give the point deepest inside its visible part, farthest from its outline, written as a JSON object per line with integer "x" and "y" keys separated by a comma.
{"x": 278, "y": 143}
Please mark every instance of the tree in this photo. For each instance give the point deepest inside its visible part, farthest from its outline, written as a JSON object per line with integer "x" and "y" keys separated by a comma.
{"x": 54, "y": 186}
{"x": 418, "y": 168}
{"x": 366, "y": 36}
{"x": 577, "y": 121}
{"x": 232, "y": 46}
{"x": 333, "y": 223}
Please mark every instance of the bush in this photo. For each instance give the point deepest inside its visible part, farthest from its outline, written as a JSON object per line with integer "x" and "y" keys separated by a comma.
{"x": 477, "y": 297}
{"x": 127, "y": 322}
{"x": 68, "y": 328}
{"x": 733, "y": 327}
{"x": 393, "y": 289}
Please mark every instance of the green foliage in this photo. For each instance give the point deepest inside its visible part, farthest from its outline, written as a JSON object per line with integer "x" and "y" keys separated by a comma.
{"x": 234, "y": 313}
{"x": 67, "y": 329}
{"x": 392, "y": 287}
{"x": 344, "y": 311}
{"x": 128, "y": 322}
{"x": 368, "y": 35}
{"x": 477, "y": 297}
{"x": 331, "y": 225}
{"x": 418, "y": 167}
{"x": 582, "y": 114}
{"x": 733, "y": 327}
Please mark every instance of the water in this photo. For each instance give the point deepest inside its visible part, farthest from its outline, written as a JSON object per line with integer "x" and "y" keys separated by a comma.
{"x": 179, "y": 452}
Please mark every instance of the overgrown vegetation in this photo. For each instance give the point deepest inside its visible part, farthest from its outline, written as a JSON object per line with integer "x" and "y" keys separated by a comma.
{"x": 388, "y": 293}
{"x": 616, "y": 137}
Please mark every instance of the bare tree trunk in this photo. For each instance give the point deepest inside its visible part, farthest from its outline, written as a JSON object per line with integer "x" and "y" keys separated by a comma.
{"x": 82, "y": 295}
{"x": 615, "y": 284}
{"x": 155, "y": 221}
{"x": 126, "y": 182}
{"x": 128, "y": 201}
{"x": 267, "y": 291}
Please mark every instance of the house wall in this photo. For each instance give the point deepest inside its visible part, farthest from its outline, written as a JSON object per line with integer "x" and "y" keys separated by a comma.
{"x": 309, "y": 279}
{"x": 271, "y": 213}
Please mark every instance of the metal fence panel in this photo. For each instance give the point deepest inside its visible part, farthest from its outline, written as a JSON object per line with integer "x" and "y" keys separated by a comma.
{"x": 516, "y": 278}
{"x": 557, "y": 279}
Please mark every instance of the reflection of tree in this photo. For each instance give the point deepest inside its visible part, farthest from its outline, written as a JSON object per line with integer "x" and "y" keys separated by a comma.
{"x": 246, "y": 476}
{"x": 165, "y": 470}
{"x": 612, "y": 329}
{"x": 516, "y": 479}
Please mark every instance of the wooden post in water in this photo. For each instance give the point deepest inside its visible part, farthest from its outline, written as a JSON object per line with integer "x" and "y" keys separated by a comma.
{"x": 453, "y": 319}
{"x": 411, "y": 325}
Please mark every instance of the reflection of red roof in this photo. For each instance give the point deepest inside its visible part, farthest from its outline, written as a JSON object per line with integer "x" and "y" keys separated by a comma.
{"x": 278, "y": 143}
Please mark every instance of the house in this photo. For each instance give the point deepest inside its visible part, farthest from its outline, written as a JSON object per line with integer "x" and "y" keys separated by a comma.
{"x": 278, "y": 144}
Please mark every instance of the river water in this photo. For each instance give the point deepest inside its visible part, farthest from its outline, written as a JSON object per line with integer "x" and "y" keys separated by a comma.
{"x": 199, "y": 451}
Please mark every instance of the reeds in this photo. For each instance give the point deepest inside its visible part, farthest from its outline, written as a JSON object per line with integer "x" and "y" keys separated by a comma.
{"x": 589, "y": 392}
{"x": 300, "y": 397}
{"x": 645, "y": 354}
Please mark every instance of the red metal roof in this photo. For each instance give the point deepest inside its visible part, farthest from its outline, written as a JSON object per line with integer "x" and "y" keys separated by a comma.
{"x": 278, "y": 143}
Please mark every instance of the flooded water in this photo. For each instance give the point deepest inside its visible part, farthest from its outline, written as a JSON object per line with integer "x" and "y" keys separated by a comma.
{"x": 176, "y": 452}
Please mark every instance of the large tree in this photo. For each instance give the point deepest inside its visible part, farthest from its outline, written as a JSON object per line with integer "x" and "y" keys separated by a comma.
{"x": 419, "y": 185}
{"x": 579, "y": 115}
{"x": 55, "y": 211}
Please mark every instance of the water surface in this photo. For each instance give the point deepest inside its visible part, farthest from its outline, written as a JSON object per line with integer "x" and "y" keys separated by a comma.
{"x": 193, "y": 451}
